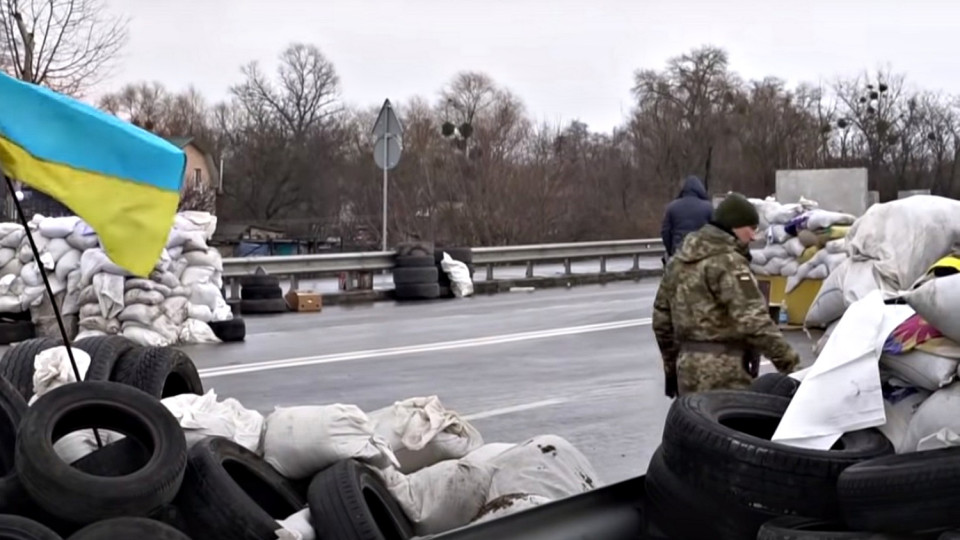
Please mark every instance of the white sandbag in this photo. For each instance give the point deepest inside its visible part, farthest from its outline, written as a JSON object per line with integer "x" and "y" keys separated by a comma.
{"x": 904, "y": 237}
{"x": 775, "y": 251}
{"x": 461, "y": 284}
{"x": 177, "y": 267}
{"x": 10, "y": 304}
{"x": 193, "y": 220}
{"x": 789, "y": 268}
{"x": 210, "y": 258}
{"x": 167, "y": 279}
{"x": 547, "y": 466}
{"x": 32, "y": 297}
{"x": 938, "y": 412}
{"x": 488, "y": 451}
{"x": 199, "y": 312}
{"x": 921, "y": 369}
{"x": 30, "y": 274}
{"x": 69, "y": 262}
{"x": 109, "y": 293}
{"x": 849, "y": 282}
{"x": 188, "y": 240}
{"x": 758, "y": 257}
{"x": 26, "y": 252}
{"x": 12, "y": 237}
{"x": 441, "y": 497}
{"x": 57, "y": 285}
{"x": 508, "y": 505}
{"x": 204, "y": 416}
{"x": 222, "y": 311}
{"x": 938, "y": 302}
{"x": 194, "y": 275}
{"x": 58, "y": 227}
{"x": 296, "y": 527}
{"x": 100, "y": 324}
{"x": 836, "y": 246}
{"x": 899, "y": 406}
{"x": 12, "y": 268}
{"x": 163, "y": 263}
{"x": 78, "y": 444}
{"x": 205, "y": 294}
{"x": 88, "y": 295}
{"x": 196, "y": 332}
{"x": 164, "y": 326}
{"x": 6, "y": 283}
{"x": 48, "y": 263}
{"x": 758, "y": 270}
{"x": 818, "y": 272}
{"x": 83, "y": 334}
{"x": 70, "y": 305}
{"x": 794, "y": 247}
{"x": 834, "y": 260}
{"x": 57, "y": 248}
{"x": 301, "y": 441}
{"x": 422, "y": 432}
{"x": 176, "y": 309}
{"x": 774, "y": 266}
{"x": 823, "y": 219}
{"x": 95, "y": 261}
{"x": 83, "y": 241}
{"x": 144, "y": 336}
{"x": 140, "y": 296}
{"x": 146, "y": 285}
{"x": 52, "y": 369}
{"x": 6, "y": 255}
{"x": 777, "y": 234}
{"x": 90, "y": 310}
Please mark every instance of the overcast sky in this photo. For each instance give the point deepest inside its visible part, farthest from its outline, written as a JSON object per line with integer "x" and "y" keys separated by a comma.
{"x": 565, "y": 59}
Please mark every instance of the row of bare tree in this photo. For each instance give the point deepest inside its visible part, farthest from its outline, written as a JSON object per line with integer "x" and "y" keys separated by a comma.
{"x": 475, "y": 169}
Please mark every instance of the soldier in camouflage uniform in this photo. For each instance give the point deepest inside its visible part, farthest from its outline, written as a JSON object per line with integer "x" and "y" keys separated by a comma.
{"x": 709, "y": 316}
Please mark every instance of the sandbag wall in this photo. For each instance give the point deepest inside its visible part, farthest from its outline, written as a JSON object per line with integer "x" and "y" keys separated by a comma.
{"x": 96, "y": 297}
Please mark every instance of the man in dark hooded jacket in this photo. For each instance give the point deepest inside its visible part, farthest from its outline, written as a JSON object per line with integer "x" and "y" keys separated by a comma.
{"x": 685, "y": 214}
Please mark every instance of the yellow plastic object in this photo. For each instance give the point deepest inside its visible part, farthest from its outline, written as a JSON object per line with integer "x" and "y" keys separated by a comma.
{"x": 839, "y": 231}
{"x": 776, "y": 286}
{"x": 950, "y": 261}
{"x": 801, "y": 298}
{"x": 808, "y": 254}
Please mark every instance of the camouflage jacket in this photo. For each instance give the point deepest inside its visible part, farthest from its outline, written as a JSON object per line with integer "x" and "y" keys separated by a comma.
{"x": 709, "y": 293}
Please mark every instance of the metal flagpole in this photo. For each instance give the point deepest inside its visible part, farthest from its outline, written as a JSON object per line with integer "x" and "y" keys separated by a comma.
{"x": 46, "y": 284}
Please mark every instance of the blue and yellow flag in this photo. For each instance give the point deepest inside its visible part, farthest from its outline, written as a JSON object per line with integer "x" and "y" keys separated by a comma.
{"x": 122, "y": 180}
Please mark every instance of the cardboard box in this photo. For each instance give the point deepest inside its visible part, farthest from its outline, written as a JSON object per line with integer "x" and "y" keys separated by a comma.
{"x": 305, "y": 301}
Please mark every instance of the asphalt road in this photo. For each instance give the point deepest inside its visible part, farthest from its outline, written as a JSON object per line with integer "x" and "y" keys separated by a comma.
{"x": 580, "y": 363}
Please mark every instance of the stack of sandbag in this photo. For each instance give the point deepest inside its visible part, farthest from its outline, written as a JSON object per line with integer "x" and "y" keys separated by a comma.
{"x": 11, "y": 286}
{"x": 890, "y": 247}
{"x": 101, "y": 294}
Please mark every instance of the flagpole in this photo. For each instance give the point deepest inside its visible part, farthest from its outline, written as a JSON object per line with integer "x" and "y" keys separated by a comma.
{"x": 46, "y": 284}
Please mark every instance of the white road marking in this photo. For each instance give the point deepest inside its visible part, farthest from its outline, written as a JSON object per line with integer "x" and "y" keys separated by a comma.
{"x": 516, "y": 408}
{"x": 430, "y": 347}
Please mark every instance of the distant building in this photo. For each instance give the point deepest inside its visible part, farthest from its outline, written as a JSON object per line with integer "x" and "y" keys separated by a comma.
{"x": 201, "y": 172}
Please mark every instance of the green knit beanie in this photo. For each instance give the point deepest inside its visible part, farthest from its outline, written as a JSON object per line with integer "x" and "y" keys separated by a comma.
{"x": 736, "y": 211}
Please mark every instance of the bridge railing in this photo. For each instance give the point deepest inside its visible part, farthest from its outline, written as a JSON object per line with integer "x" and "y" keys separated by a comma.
{"x": 296, "y": 267}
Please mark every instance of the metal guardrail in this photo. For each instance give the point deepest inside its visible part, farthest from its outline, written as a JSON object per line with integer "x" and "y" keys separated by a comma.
{"x": 296, "y": 266}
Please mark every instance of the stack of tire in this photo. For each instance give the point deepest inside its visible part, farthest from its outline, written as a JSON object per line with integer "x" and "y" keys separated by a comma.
{"x": 717, "y": 475}
{"x": 150, "y": 484}
{"x": 261, "y": 294}
{"x": 415, "y": 273}
{"x": 462, "y": 254}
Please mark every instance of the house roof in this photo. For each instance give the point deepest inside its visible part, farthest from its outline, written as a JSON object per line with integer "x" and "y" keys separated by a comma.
{"x": 180, "y": 142}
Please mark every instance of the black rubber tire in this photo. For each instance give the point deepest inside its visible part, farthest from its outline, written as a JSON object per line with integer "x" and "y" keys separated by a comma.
{"x": 12, "y": 408}
{"x": 462, "y": 254}
{"x": 950, "y": 535}
{"x": 230, "y": 331}
{"x": 425, "y": 291}
{"x": 159, "y": 371}
{"x": 230, "y": 493}
{"x": 684, "y": 512}
{"x": 258, "y": 280}
{"x": 801, "y": 528}
{"x": 263, "y": 307}
{"x": 415, "y": 248}
{"x": 16, "y": 331}
{"x": 446, "y": 292}
{"x": 78, "y": 497}
{"x": 17, "y": 363}
{"x": 775, "y": 384}
{"x": 348, "y": 501}
{"x": 268, "y": 292}
{"x": 919, "y": 491}
{"x": 15, "y": 316}
{"x": 21, "y": 528}
{"x": 443, "y": 279}
{"x": 719, "y": 442}
{"x": 415, "y": 276}
{"x": 105, "y": 352}
{"x": 128, "y": 527}
{"x": 414, "y": 261}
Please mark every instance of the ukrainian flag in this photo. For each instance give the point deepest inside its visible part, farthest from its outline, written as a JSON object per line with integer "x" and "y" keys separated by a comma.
{"x": 122, "y": 180}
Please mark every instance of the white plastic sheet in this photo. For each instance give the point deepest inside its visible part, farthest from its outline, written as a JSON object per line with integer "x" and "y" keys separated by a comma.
{"x": 841, "y": 392}
{"x": 460, "y": 282}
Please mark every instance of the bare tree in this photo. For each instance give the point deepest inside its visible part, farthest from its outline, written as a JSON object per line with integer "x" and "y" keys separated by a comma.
{"x": 67, "y": 45}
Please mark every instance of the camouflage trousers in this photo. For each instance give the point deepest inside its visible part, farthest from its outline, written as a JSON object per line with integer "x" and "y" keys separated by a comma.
{"x": 702, "y": 371}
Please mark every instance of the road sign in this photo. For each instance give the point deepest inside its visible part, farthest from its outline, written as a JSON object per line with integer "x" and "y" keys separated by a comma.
{"x": 386, "y": 152}
{"x": 387, "y": 122}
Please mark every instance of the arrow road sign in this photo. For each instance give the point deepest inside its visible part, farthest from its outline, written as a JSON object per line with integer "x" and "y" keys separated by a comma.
{"x": 387, "y": 122}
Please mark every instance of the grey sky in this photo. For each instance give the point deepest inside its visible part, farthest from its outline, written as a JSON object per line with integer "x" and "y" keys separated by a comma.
{"x": 564, "y": 59}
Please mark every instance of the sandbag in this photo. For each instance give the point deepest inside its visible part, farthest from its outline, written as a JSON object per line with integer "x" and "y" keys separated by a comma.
{"x": 461, "y": 282}
{"x": 143, "y": 336}
{"x": 833, "y": 260}
{"x": 196, "y": 332}
{"x": 95, "y": 261}
{"x": 487, "y": 452}
{"x": 836, "y": 246}
{"x": 775, "y": 251}
{"x": 794, "y": 247}
{"x": 441, "y": 497}
{"x": 301, "y": 441}
{"x": 774, "y": 266}
{"x": 929, "y": 426}
{"x": 146, "y": 285}
{"x": 938, "y": 302}
{"x": 818, "y": 272}
{"x": 547, "y": 466}
{"x": 899, "y": 406}
{"x": 210, "y": 258}
{"x": 12, "y": 236}
{"x": 422, "y": 432}
{"x": 920, "y": 369}
{"x": 139, "y": 313}
{"x": 758, "y": 257}
{"x": 824, "y": 219}
{"x": 6, "y": 255}
{"x": 140, "y": 296}
{"x": 789, "y": 268}
{"x": 69, "y": 262}
{"x": 58, "y": 227}
{"x": 297, "y": 526}
{"x": 204, "y": 416}
{"x": 195, "y": 220}
{"x": 176, "y": 309}
{"x": 847, "y": 283}
{"x": 777, "y": 234}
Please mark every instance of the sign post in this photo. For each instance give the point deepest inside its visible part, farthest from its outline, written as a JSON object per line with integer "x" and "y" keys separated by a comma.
{"x": 386, "y": 151}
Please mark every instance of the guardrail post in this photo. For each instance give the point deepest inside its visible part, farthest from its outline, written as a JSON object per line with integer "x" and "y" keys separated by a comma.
{"x": 489, "y": 272}
{"x": 529, "y": 269}
{"x": 566, "y": 267}
{"x": 603, "y": 265}
{"x": 234, "y": 288}
{"x": 294, "y": 282}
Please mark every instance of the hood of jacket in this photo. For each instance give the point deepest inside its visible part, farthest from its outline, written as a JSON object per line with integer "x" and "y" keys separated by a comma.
{"x": 693, "y": 187}
{"x": 710, "y": 241}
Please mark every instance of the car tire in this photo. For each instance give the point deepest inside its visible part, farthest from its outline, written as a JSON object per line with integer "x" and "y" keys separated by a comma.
{"x": 415, "y": 276}
{"x": 105, "y": 352}
{"x": 423, "y": 291}
{"x": 264, "y": 307}
{"x": 21, "y": 528}
{"x": 128, "y": 527}
{"x": 230, "y": 331}
{"x": 800, "y": 528}
{"x": 16, "y": 331}
{"x": 161, "y": 372}
{"x": 266, "y": 292}
{"x": 775, "y": 384}
{"x": 414, "y": 261}
{"x": 17, "y": 363}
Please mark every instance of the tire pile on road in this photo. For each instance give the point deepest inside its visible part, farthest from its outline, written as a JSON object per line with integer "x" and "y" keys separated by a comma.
{"x": 419, "y": 275}
{"x": 717, "y": 476}
{"x": 261, "y": 294}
